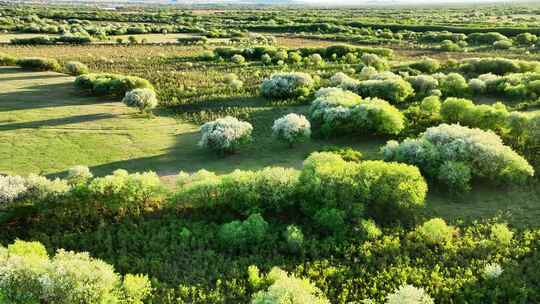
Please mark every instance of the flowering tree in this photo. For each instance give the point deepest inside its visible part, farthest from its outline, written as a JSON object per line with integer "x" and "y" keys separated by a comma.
{"x": 224, "y": 135}
{"x": 292, "y": 128}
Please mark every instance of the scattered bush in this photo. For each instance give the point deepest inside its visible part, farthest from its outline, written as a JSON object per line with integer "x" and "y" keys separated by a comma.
{"x": 79, "y": 175}
{"x": 76, "y": 68}
{"x": 395, "y": 90}
{"x": 436, "y": 231}
{"x": 410, "y": 295}
{"x": 287, "y": 85}
{"x": 28, "y": 275}
{"x": 38, "y": 64}
{"x": 388, "y": 192}
{"x": 143, "y": 99}
{"x": 423, "y": 85}
{"x": 238, "y": 235}
{"x": 225, "y": 135}
{"x": 453, "y": 84}
{"x": 110, "y": 84}
{"x": 288, "y": 289}
{"x": 337, "y": 111}
{"x": 449, "y": 46}
{"x": 482, "y": 151}
{"x": 292, "y": 128}
{"x": 7, "y": 60}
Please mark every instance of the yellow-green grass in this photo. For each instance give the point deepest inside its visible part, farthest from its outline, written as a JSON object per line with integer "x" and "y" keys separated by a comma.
{"x": 47, "y": 126}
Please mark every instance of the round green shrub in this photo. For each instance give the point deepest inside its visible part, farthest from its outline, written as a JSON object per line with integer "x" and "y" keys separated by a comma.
{"x": 143, "y": 99}
{"x": 287, "y": 85}
{"x": 76, "y": 68}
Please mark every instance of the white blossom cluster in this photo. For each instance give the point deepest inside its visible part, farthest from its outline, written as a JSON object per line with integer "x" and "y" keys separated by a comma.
{"x": 79, "y": 174}
{"x": 483, "y": 151}
{"x": 11, "y": 188}
{"x": 492, "y": 271}
{"x": 292, "y": 128}
{"x": 287, "y": 85}
{"x": 143, "y": 99}
{"x": 343, "y": 81}
{"x": 225, "y": 134}
{"x": 423, "y": 84}
{"x": 408, "y": 294}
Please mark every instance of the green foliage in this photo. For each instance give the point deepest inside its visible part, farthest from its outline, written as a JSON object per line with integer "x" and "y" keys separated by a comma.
{"x": 7, "y": 60}
{"x": 110, "y": 84}
{"x": 394, "y": 90}
{"x": 388, "y": 192}
{"x": 441, "y": 147}
{"x": 465, "y": 112}
{"x": 38, "y": 64}
{"x": 294, "y": 238}
{"x": 29, "y": 276}
{"x": 337, "y": 111}
{"x": 330, "y": 220}
{"x": 436, "y": 231}
{"x": 76, "y": 68}
{"x": 241, "y": 235}
{"x": 287, "y": 85}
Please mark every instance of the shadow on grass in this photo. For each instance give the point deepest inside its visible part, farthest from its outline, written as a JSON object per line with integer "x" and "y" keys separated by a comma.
{"x": 57, "y": 121}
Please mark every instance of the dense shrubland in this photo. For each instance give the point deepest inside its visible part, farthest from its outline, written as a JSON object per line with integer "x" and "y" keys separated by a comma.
{"x": 343, "y": 228}
{"x": 454, "y": 154}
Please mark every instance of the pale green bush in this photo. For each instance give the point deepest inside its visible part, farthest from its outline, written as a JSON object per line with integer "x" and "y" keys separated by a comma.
{"x": 288, "y": 289}
{"x": 482, "y": 151}
{"x": 79, "y": 175}
{"x": 143, "y": 99}
{"x": 225, "y": 135}
{"x": 76, "y": 68}
{"x": 28, "y": 275}
{"x": 436, "y": 231}
{"x": 287, "y": 85}
{"x": 408, "y": 294}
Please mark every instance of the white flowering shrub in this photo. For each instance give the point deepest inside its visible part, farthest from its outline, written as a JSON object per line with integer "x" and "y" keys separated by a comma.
{"x": 492, "y": 271}
{"x": 287, "y": 85}
{"x": 225, "y": 135}
{"x": 292, "y": 128}
{"x": 339, "y": 111}
{"x": 477, "y": 86}
{"x": 288, "y": 289}
{"x": 343, "y": 81}
{"x": 423, "y": 84}
{"x": 483, "y": 152}
{"x": 143, "y": 99}
{"x": 76, "y": 68}
{"x": 11, "y": 188}
{"x": 28, "y": 275}
{"x": 79, "y": 175}
{"x": 238, "y": 59}
{"x": 40, "y": 188}
{"x": 408, "y": 294}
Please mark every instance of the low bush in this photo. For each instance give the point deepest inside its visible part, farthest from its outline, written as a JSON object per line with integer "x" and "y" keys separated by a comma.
{"x": 287, "y": 85}
{"x": 7, "y": 60}
{"x": 143, "y": 99}
{"x": 482, "y": 152}
{"x": 38, "y": 64}
{"x": 423, "y": 85}
{"x": 225, "y": 135}
{"x": 436, "y": 232}
{"x": 292, "y": 128}
{"x": 285, "y": 288}
{"x": 449, "y": 46}
{"x": 241, "y": 235}
{"x": 453, "y": 84}
{"x": 28, "y": 275}
{"x": 502, "y": 44}
{"x": 465, "y": 112}
{"x": 485, "y": 38}
{"x": 388, "y": 192}
{"x": 79, "y": 175}
{"x": 410, "y": 295}
{"x": 497, "y": 66}
{"x": 426, "y": 65}
{"x": 337, "y": 111}
{"x": 395, "y": 90}
{"x": 110, "y": 84}
{"x": 76, "y": 68}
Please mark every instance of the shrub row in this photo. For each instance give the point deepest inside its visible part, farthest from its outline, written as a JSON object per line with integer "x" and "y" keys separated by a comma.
{"x": 110, "y": 84}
